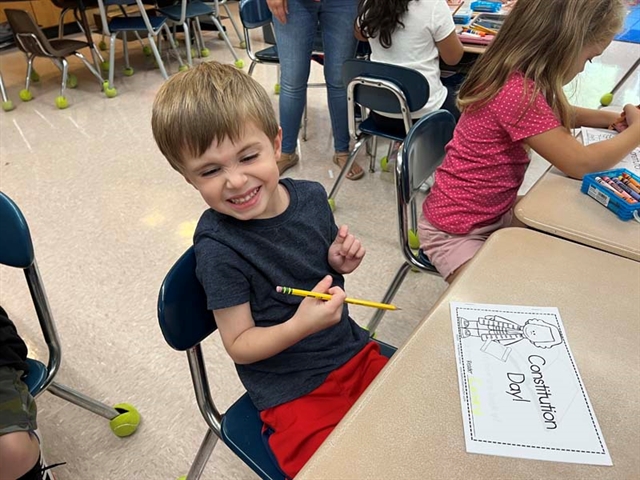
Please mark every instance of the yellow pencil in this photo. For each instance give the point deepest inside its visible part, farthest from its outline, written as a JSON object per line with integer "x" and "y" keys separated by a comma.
{"x": 326, "y": 296}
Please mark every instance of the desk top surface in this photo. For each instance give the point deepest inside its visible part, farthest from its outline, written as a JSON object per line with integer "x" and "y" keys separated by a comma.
{"x": 556, "y": 205}
{"x": 409, "y": 422}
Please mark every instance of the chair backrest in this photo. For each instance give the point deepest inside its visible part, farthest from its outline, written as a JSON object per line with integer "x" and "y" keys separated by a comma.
{"x": 182, "y": 305}
{"x": 411, "y": 82}
{"x": 29, "y": 36}
{"x": 422, "y": 152}
{"x": 16, "y": 247}
{"x": 254, "y": 13}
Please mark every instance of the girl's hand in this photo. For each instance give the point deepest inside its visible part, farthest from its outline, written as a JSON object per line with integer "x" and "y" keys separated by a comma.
{"x": 314, "y": 315}
{"x": 346, "y": 252}
{"x": 279, "y": 9}
{"x": 629, "y": 116}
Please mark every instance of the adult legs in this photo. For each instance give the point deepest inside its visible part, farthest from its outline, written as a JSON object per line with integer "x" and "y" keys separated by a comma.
{"x": 295, "y": 43}
{"x": 336, "y": 22}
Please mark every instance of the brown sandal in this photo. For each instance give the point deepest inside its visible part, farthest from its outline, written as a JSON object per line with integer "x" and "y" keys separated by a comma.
{"x": 356, "y": 171}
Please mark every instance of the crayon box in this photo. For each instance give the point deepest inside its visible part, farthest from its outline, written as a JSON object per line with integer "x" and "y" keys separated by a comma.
{"x": 617, "y": 198}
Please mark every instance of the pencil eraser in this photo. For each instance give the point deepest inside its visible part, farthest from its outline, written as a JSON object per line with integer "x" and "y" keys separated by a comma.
{"x": 279, "y": 289}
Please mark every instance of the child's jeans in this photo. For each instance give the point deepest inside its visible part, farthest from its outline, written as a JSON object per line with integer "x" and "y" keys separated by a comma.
{"x": 17, "y": 406}
{"x": 297, "y": 428}
{"x": 448, "y": 252}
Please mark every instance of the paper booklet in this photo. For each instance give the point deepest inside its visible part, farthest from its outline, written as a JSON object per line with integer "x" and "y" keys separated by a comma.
{"x": 592, "y": 135}
{"x": 520, "y": 389}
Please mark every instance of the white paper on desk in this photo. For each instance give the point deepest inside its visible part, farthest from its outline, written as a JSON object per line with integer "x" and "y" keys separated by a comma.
{"x": 592, "y": 135}
{"x": 520, "y": 389}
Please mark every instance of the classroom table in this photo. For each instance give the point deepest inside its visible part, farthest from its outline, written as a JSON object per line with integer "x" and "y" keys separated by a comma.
{"x": 556, "y": 205}
{"x": 408, "y": 423}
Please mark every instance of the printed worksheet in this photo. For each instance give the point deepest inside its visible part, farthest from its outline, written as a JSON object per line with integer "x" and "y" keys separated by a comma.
{"x": 592, "y": 135}
{"x": 520, "y": 389}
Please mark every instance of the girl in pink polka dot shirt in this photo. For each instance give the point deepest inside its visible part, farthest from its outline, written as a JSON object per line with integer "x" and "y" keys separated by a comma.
{"x": 511, "y": 101}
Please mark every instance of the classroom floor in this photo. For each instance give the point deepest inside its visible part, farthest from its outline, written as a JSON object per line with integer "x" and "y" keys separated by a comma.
{"x": 109, "y": 217}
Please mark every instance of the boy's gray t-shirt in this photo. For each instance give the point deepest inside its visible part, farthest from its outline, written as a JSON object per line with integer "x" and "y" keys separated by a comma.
{"x": 243, "y": 261}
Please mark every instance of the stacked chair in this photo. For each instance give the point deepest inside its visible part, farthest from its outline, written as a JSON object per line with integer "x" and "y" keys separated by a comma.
{"x": 32, "y": 41}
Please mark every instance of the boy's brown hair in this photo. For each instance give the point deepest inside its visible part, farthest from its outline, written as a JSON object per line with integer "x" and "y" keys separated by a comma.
{"x": 209, "y": 102}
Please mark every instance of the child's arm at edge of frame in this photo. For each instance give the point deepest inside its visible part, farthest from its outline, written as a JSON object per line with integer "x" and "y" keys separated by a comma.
{"x": 587, "y": 117}
{"x": 573, "y": 158}
{"x": 246, "y": 343}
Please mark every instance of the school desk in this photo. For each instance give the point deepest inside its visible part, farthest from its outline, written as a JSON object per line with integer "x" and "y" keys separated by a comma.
{"x": 555, "y": 205}
{"x": 408, "y": 423}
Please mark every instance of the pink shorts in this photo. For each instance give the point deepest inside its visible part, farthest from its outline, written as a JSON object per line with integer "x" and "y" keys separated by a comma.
{"x": 447, "y": 252}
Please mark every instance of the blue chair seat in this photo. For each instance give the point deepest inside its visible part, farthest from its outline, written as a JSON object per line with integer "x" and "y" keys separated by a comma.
{"x": 36, "y": 376}
{"x": 194, "y": 9}
{"x": 241, "y": 431}
{"x": 135, "y": 24}
{"x": 268, "y": 55}
{"x": 369, "y": 127}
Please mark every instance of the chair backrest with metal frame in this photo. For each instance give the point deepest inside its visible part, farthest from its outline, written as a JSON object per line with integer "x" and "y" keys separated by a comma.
{"x": 16, "y": 250}
{"x": 185, "y": 322}
{"x": 383, "y": 88}
{"x": 421, "y": 153}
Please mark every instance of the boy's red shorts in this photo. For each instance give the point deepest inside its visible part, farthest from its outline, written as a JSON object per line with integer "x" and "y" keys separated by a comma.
{"x": 296, "y": 429}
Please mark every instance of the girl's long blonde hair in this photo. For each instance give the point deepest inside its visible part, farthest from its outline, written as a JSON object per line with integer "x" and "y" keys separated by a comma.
{"x": 541, "y": 39}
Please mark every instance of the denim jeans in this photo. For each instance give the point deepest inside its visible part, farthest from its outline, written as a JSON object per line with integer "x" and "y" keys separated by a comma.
{"x": 295, "y": 44}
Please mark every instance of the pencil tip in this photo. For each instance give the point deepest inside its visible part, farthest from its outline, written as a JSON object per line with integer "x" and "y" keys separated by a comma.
{"x": 398, "y": 308}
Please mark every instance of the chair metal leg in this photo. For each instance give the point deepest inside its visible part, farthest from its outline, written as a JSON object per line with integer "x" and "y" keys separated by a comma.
{"x": 347, "y": 166}
{"x": 202, "y": 457}
{"x": 61, "y": 22}
{"x": 172, "y": 44}
{"x": 305, "y": 120}
{"x": 216, "y": 22}
{"x": 373, "y": 154}
{"x": 200, "y": 45}
{"x": 233, "y": 22}
{"x": 388, "y": 297}
{"x": 30, "y": 59}
{"x": 125, "y": 50}
{"x": 3, "y": 91}
{"x": 82, "y": 400}
{"x": 251, "y": 67}
{"x": 156, "y": 54}
{"x": 112, "y": 57}
{"x": 187, "y": 42}
{"x": 65, "y": 76}
{"x": 94, "y": 71}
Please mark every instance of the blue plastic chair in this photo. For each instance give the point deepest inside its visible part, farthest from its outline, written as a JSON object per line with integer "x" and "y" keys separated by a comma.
{"x": 185, "y": 11}
{"x": 16, "y": 250}
{"x": 185, "y": 322}
{"x": 127, "y": 25}
{"x": 384, "y": 88}
{"x": 419, "y": 156}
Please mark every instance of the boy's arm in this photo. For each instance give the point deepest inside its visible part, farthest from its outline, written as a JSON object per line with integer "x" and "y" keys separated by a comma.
{"x": 566, "y": 153}
{"x": 587, "y": 117}
{"x": 246, "y": 343}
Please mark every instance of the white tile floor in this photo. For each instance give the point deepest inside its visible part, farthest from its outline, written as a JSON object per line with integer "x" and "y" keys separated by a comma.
{"x": 109, "y": 216}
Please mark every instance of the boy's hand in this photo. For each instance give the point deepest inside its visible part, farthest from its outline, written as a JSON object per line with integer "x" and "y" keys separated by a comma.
{"x": 346, "y": 252}
{"x": 314, "y": 315}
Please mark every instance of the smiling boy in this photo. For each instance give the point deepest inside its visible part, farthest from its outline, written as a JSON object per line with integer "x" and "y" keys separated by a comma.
{"x": 304, "y": 362}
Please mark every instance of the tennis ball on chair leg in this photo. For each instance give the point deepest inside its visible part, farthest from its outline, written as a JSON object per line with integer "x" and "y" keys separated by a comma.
{"x": 127, "y": 422}
{"x": 606, "y": 99}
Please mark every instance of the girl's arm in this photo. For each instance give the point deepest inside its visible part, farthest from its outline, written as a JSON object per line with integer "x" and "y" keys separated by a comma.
{"x": 566, "y": 153}
{"x": 450, "y": 49}
{"x": 586, "y": 117}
